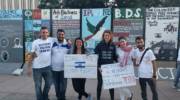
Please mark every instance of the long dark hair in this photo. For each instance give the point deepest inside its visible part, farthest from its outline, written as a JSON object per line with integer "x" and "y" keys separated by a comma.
{"x": 109, "y": 32}
{"x": 75, "y": 47}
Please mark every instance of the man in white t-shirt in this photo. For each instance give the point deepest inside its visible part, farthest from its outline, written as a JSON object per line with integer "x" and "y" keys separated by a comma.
{"x": 60, "y": 47}
{"x": 146, "y": 68}
{"x": 40, "y": 64}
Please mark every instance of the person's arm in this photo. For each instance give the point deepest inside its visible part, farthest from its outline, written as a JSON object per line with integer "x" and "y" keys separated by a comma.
{"x": 154, "y": 68}
{"x": 69, "y": 44}
{"x": 134, "y": 57}
{"x": 31, "y": 57}
{"x": 134, "y": 62}
{"x": 97, "y": 51}
{"x": 153, "y": 60}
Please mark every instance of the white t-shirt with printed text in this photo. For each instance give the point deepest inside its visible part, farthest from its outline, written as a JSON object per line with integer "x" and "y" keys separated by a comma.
{"x": 42, "y": 48}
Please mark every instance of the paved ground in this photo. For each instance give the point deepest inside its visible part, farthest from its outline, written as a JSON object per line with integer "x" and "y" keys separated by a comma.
{"x": 22, "y": 88}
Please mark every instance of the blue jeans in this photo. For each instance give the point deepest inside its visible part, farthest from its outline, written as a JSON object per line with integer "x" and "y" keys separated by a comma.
{"x": 60, "y": 84}
{"x": 152, "y": 85}
{"x": 176, "y": 80}
{"x": 38, "y": 75}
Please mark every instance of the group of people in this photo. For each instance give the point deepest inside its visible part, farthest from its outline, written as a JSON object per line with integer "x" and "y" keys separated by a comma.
{"x": 48, "y": 63}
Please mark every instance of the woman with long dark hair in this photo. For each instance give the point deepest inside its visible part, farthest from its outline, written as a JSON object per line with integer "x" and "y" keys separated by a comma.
{"x": 106, "y": 51}
{"x": 79, "y": 83}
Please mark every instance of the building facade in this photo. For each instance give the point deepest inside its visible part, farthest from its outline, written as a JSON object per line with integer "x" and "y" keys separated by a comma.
{"x": 19, "y": 4}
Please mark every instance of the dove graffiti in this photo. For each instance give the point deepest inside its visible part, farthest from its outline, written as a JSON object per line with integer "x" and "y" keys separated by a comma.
{"x": 94, "y": 28}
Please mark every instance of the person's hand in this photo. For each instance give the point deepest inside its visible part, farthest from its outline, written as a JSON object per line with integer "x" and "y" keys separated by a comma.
{"x": 69, "y": 42}
{"x": 121, "y": 65}
{"x": 154, "y": 78}
{"x": 136, "y": 65}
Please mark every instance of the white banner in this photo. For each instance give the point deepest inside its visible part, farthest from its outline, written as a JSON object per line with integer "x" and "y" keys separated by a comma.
{"x": 80, "y": 66}
{"x": 115, "y": 76}
{"x": 162, "y": 31}
{"x": 65, "y": 14}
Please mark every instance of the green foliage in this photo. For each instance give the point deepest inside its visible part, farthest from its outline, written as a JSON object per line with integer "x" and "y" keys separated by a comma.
{"x": 101, "y": 3}
{"x": 83, "y": 3}
{"x": 48, "y": 4}
{"x": 138, "y": 3}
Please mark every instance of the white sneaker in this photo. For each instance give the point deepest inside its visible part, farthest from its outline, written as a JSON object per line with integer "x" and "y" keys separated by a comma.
{"x": 174, "y": 87}
{"x": 89, "y": 97}
{"x": 178, "y": 89}
{"x": 130, "y": 98}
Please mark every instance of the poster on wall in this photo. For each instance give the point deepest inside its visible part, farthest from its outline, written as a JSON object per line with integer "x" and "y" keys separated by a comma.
{"x": 11, "y": 36}
{"x": 67, "y": 19}
{"x": 128, "y": 22}
{"x": 94, "y": 22}
{"x": 33, "y": 21}
{"x": 161, "y": 33}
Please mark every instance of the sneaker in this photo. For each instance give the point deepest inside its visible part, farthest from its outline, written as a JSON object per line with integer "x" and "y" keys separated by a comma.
{"x": 78, "y": 98}
{"x": 174, "y": 87}
{"x": 130, "y": 98}
{"x": 89, "y": 97}
{"x": 178, "y": 89}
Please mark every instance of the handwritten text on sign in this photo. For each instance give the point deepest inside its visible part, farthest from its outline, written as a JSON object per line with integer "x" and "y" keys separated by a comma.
{"x": 80, "y": 66}
{"x": 115, "y": 76}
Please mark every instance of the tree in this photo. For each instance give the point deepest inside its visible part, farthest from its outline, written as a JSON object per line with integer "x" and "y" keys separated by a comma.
{"x": 138, "y": 3}
{"x": 84, "y": 3}
{"x": 48, "y": 4}
{"x": 102, "y": 3}
{"x": 171, "y": 3}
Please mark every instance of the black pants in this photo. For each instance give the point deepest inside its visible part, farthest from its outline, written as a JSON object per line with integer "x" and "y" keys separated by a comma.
{"x": 99, "y": 87}
{"x": 79, "y": 86}
{"x": 152, "y": 85}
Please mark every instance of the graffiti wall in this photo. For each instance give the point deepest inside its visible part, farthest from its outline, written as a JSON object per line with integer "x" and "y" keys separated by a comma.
{"x": 161, "y": 33}
{"x": 128, "y": 23}
{"x": 33, "y": 20}
{"x": 11, "y": 36}
{"x": 160, "y": 30}
{"x": 94, "y": 22}
{"x": 67, "y": 19}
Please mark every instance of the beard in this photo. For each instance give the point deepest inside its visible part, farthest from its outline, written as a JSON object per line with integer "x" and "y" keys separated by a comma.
{"x": 60, "y": 39}
{"x": 141, "y": 47}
